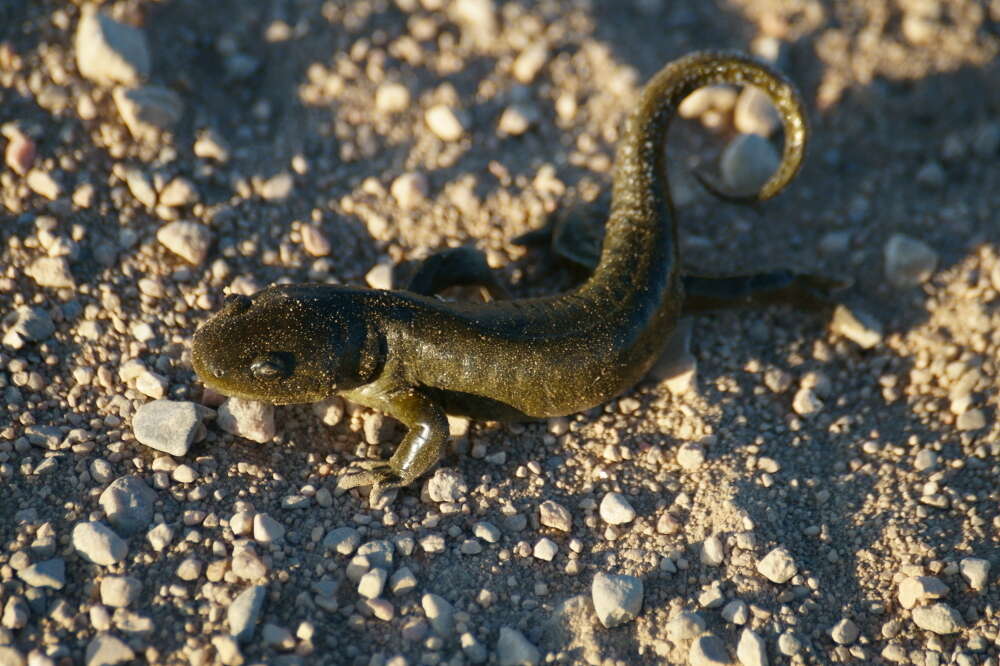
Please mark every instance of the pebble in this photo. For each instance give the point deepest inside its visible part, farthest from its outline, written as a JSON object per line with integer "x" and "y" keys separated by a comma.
{"x": 169, "y": 426}
{"x": 392, "y": 97}
{"x": 516, "y": 119}
{"x": 266, "y": 529}
{"x": 105, "y": 650}
{"x": 789, "y": 644}
{"x": 908, "y": 261}
{"x": 736, "y": 612}
{"x": 247, "y": 565}
{"x": 27, "y": 324}
{"x": 932, "y": 175}
{"x": 11, "y": 657}
{"x": 140, "y": 185}
{"x": 179, "y": 192}
{"x": 247, "y": 418}
{"x": 379, "y": 552}
{"x": 777, "y": 566}
{"x": 440, "y": 613}
{"x": 918, "y": 589}
{"x": 227, "y": 650}
{"x": 986, "y": 141}
{"x": 128, "y": 503}
{"x": 314, "y": 241}
{"x": 97, "y": 543}
{"x": 926, "y": 459}
{"x": 160, "y": 536}
{"x": 488, "y": 532}
{"x": 277, "y": 188}
{"x": 211, "y": 146}
{"x": 441, "y": 120}
{"x": 244, "y": 612}
{"x": 150, "y": 383}
{"x": 51, "y": 272}
{"x": 49, "y": 573}
{"x": 616, "y": 510}
{"x": 109, "y": 52}
{"x": 148, "y": 110}
{"x": 545, "y": 549}
{"x": 529, "y": 62}
{"x": 857, "y": 326}
{"x": 754, "y": 113}
{"x": 939, "y": 618}
{"x": 277, "y": 637}
{"x": 617, "y": 598}
{"x": 402, "y": 581}
{"x": 447, "y": 485}
{"x": 409, "y": 190}
{"x": 184, "y": 474}
{"x": 330, "y": 411}
{"x": 119, "y": 591}
{"x": 344, "y": 540}
{"x": 708, "y": 650}
{"x": 751, "y": 649}
{"x": 372, "y": 583}
{"x": 712, "y": 552}
{"x": 974, "y": 419}
{"x": 15, "y": 613}
{"x": 747, "y": 162}
{"x": 43, "y": 184}
{"x": 805, "y": 402}
{"x": 188, "y": 240}
{"x": 844, "y": 632}
{"x": 684, "y": 626}
{"x": 513, "y": 649}
{"x": 975, "y": 571}
{"x": 555, "y": 515}
{"x": 20, "y": 152}
{"x": 474, "y": 651}
{"x": 720, "y": 98}
{"x": 380, "y": 276}
{"x": 690, "y": 455}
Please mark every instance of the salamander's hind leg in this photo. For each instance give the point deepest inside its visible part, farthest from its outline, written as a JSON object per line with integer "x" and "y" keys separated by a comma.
{"x": 420, "y": 449}
{"x": 456, "y": 266}
{"x": 810, "y": 292}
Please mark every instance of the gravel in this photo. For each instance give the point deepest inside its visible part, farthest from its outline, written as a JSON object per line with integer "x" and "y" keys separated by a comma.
{"x": 513, "y": 649}
{"x": 109, "y": 52}
{"x": 777, "y": 566}
{"x": 128, "y": 503}
{"x": 751, "y": 649}
{"x": 747, "y": 162}
{"x": 908, "y": 261}
{"x": 939, "y": 618}
{"x": 708, "y": 650}
{"x": 616, "y": 510}
{"x": 244, "y": 612}
{"x": 617, "y": 598}
{"x": 247, "y": 418}
{"x": 97, "y": 543}
{"x": 49, "y": 573}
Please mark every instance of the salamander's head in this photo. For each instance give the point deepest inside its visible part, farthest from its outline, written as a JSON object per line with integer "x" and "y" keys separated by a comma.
{"x": 287, "y": 344}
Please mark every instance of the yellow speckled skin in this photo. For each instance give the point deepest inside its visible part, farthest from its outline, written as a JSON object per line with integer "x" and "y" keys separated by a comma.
{"x": 417, "y": 357}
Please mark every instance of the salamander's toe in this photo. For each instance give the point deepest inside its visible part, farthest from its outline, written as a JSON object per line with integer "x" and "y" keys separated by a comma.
{"x": 378, "y": 474}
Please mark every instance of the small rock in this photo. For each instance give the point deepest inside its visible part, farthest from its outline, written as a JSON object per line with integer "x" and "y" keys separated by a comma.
{"x": 690, "y": 455}
{"x": 932, "y": 175}
{"x": 160, "y": 536}
{"x": 857, "y": 326}
{"x": 392, "y": 97}
{"x": 751, "y": 650}
{"x": 379, "y": 553}
{"x": 974, "y": 419}
{"x": 227, "y": 650}
{"x": 140, "y": 185}
{"x": 908, "y": 261}
{"x": 975, "y": 571}
{"x": 20, "y": 152}
{"x": 44, "y": 184}
{"x": 277, "y": 637}
{"x": 712, "y": 552}
{"x": 616, "y": 510}
{"x": 167, "y": 425}
{"x": 179, "y": 192}
{"x": 789, "y": 644}
{"x": 529, "y": 62}
{"x": 918, "y": 589}
{"x": 474, "y": 651}
{"x": 148, "y": 110}
{"x": 10, "y": 656}
{"x": 441, "y": 120}
{"x": 805, "y": 402}
{"x": 119, "y": 591}
{"x": 402, "y": 581}
{"x": 51, "y": 272}
{"x": 344, "y": 540}
{"x": 617, "y": 598}
{"x": 777, "y": 566}
{"x": 986, "y": 140}
{"x": 513, "y": 649}
{"x": 754, "y": 113}
{"x": 110, "y": 52}
{"x": 27, "y": 324}
{"x": 440, "y": 613}
{"x": 244, "y": 612}
{"x": 50, "y": 573}
{"x": 939, "y": 618}
{"x": 736, "y": 612}
{"x": 545, "y": 549}
{"x": 555, "y": 515}
{"x": 266, "y": 529}
{"x": 708, "y": 650}
{"x": 105, "y": 650}
{"x": 15, "y": 613}
{"x": 668, "y": 524}
{"x": 330, "y": 411}
{"x": 447, "y": 485}
{"x": 247, "y": 418}
{"x": 409, "y": 190}
{"x": 516, "y": 120}
{"x": 844, "y": 632}
{"x": 314, "y": 241}
{"x": 98, "y": 544}
{"x": 747, "y": 163}
{"x": 380, "y": 276}
{"x": 372, "y": 583}
{"x": 719, "y": 98}
{"x": 210, "y": 145}
{"x": 188, "y": 240}
{"x": 926, "y": 459}
{"x": 278, "y": 187}
{"x": 128, "y": 503}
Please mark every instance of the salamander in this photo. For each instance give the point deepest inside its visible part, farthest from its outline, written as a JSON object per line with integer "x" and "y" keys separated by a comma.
{"x": 418, "y": 358}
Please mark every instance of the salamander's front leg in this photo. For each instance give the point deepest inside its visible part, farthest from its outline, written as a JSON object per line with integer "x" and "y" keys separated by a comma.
{"x": 427, "y": 431}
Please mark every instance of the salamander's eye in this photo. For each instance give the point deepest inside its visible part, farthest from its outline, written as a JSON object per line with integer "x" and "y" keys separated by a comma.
{"x": 236, "y": 303}
{"x": 273, "y": 365}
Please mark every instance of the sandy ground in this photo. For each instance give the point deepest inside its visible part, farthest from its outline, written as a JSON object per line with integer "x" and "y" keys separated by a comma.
{"x": 284, "y": 129}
